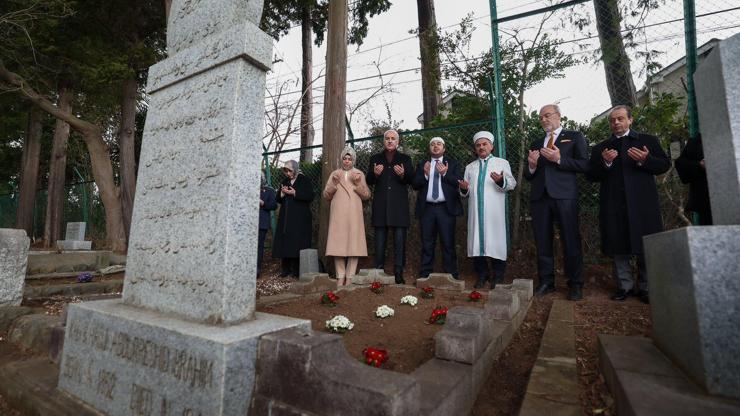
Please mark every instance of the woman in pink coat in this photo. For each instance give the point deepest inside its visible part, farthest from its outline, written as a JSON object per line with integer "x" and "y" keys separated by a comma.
{"x": 346, "y": 189}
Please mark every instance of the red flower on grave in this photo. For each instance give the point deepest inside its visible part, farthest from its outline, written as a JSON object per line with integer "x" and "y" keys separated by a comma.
{"x": 439, "y": 315}
{"x": 427, "y": 292}
{"x": 474, "y": 296}
{"x": 376, "y": 287}
{"x": 375, "y": 356}
{"x": 329, "y": 299}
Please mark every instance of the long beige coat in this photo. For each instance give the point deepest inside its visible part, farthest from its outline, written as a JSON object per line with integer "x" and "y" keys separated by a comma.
{"x": 346, "y": 223}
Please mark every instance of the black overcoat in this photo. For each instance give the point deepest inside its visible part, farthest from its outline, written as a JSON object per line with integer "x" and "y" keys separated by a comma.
{"x": 390, "y": 194}
{"x": 628, "y": 197}
{"x": 294, "y": 228}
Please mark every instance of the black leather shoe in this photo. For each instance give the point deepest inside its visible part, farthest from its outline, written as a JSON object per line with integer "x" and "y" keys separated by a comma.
{"x": 399, "y": 276}
{"x": 575, "y": 293}
{"x": 622, "y": 295}
{"x": 284, "y": 274}
{"x": 544, "y": 289}
{"x": 495, "y": 281}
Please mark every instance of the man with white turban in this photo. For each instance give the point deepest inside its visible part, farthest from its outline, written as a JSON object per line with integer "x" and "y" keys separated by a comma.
{"x": 485, "y": 182}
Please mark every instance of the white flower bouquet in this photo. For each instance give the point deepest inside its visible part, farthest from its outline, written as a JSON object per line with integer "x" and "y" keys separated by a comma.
{"x": 384, "y": 311}
{"x": 409, "y": 300}
{"x": 339, "y": 324}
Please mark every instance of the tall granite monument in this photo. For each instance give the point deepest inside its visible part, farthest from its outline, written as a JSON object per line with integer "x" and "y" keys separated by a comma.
{"x": 183, "y": 339}
{"x": 694, "y": 284}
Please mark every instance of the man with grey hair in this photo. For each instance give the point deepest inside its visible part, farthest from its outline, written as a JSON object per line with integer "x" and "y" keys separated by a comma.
{"x": 553, "y": 162}
{"x": 390, "y": 172}
{"x": 625, "y": 165}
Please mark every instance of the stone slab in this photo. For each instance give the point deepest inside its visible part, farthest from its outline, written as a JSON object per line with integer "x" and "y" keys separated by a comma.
{"x": 503, "y": 303}
{"x": 122, "y": 359}
{"x": 441, "y": 281}
{"x": 553, "y": 384}
{"x": 694, "y": 288}
{"x": 42, "y": 262}
{"x": 75, "y": 231}
{"x": 13, "y": 262}
{"x": 718, "y": 98}
{"x": 644, "y": 382}
{"x": 367, "y": 276}
{"x": 74, "y": 245}
{"x": 325, "y": 380}
{"x": 308, "y": 261}
{"x": 30, "y": 387}
{"x": 33, "y": 332}
{"x": 313, "y": 283}
{"x": 8, "y": 314}
{"x": 466, "y": 334}
{"x": 73, "y": 289}
{"x": 446, "y": 388}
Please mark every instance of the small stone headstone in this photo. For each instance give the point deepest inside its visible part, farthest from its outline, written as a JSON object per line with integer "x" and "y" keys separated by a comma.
{"x": 74, "y": 237}
{"x": 367, "y": 276}
{"x": 313, "y": 283}
{"x": 441, "y": 281}
{"x": 13, "y": 260}
{"x": 309, "y": 261}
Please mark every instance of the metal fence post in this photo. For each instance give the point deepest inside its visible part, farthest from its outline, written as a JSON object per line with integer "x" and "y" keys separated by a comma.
{"x": 689, "y": 12}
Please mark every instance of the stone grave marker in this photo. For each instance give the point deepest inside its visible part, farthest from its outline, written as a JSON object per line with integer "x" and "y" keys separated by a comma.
{"x": 693, "y": 271}
{"x": 309, "y": 261}
{"x": 13, "y": 260}
{"x": 183, "y": 339}
{"x": 74, "y": 237}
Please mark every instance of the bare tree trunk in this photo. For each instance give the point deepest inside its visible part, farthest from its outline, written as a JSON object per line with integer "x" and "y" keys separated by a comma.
{"x": 29, "y": 172}
{"x": 99, "y": 157}
{"x": 307, "y": 130}
{"x": 335, "y": 99}
{"x": 126, "y": 145}
{"x": 429, "y": 52}
{"x": 518, "y": 195}
{"x": 616, "y": 62}
{"x": 57, "y": 169}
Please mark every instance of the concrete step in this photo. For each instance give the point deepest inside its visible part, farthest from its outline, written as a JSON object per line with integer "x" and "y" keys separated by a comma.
{"x": 73, "y": 289}
{"x": 59, "y": 275}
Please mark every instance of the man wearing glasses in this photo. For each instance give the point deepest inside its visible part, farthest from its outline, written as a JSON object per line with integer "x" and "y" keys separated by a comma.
{"x": 553, "y": 162}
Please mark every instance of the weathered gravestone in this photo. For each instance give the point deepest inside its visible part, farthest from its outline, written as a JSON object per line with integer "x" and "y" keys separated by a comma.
{"x": 183, "y": 339}
{"x": 74, "y": 237}
{"x": 309, "y": 261}
{"x": 694, "y": 285}
{"x": 13, "y": 260}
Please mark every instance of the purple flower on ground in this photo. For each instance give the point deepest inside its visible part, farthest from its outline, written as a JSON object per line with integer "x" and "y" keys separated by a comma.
{"x": 84, "y": 277}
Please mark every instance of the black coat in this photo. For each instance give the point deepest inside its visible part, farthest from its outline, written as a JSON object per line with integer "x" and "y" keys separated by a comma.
{"x": 690, "y": 171}
{"x": 449, "y": 187}
{"x": 560, "y": 180}
{"x": 390, "y": 194}
{"x": 629, "y": 207}
{"x": 293, "y": 232}
{"x": 267, "y": 195}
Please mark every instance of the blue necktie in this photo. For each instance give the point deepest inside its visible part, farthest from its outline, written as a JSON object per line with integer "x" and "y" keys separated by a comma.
{"x": 435, "y": 182}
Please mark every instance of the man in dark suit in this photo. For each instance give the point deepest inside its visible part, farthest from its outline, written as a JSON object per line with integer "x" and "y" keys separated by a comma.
{"x": 553, "y": 162}
{"x": 626, "y": 164}
{"x": 437, "y": 206}
{"x": 268, "y": 202}
{"x": 389, "y": 173}
{"x": 691, "y": 169}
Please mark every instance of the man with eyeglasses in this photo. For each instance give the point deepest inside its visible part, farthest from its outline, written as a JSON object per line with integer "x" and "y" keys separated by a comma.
{"x": 553, "y": 163}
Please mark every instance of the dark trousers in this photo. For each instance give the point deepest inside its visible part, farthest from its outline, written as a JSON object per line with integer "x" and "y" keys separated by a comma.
{"x": 289, "y": 266}
{"x": 498, "y": 267}
{"x": 399, "y": 245}
{"x": 261, "y": 250}
{"x": 436, "y": 220}
{"x": 623, "y": 272}
{"x": 545, "y": 213}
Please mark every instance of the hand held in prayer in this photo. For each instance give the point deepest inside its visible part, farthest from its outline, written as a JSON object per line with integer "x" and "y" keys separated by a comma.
{"x": 553, "y": 155}
{"x": 399, "y": 170}
{"x": 356, "y": 177}
{"x": 534, "y": 155}
{"x": 638, "y": 155}
{"x": 335, "y": 178}
{"x": 427, "y": 166}
{"x": 378, "y": 169}
{"x": 608, "y": 155}
{"x": 498, "y": 177}
{"x": 262, "y": 202}
{"x": 463, "y": 184}
{"x": 442, "y": 168}
{"x": 701, "y": 163}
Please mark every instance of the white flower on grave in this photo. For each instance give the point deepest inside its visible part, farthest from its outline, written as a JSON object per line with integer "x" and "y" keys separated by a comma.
{"x": 339, "y": 323}
{"x": 409, "y": 300}
{"x": 384, "y": 311}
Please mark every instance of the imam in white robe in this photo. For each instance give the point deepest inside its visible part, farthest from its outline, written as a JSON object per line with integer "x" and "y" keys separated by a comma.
{"x": 487, "y": 207}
